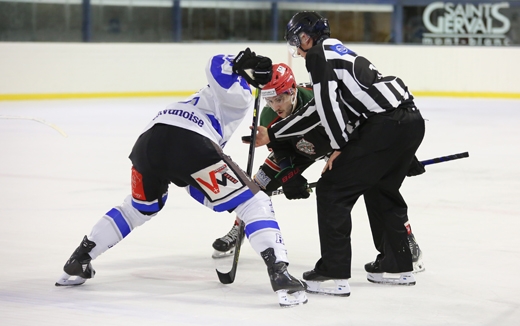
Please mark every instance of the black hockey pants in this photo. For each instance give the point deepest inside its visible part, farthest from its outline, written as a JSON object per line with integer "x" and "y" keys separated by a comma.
{"x": 167, "y": 154}
{"x": 374, "y": 165}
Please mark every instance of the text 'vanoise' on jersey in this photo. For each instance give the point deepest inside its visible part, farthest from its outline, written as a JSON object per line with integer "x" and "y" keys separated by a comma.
{"x": 217, "y": 109}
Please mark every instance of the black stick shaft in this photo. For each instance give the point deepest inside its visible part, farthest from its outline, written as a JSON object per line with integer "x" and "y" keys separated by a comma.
{"x": 251, "y": 156}
{"x": 425, "y": 162}
{"x": 228, "y": 278}
{"x": 445, "y": 158}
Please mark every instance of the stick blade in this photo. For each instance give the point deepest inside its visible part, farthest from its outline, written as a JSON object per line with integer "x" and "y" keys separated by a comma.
{"x": 226, "y": 278}
{"x": 229, "y": 277}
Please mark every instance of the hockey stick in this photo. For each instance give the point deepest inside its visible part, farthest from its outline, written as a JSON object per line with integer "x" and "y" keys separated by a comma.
{"x": 445, "y": 158}
{"x": 53, "y": 126}
{"x": 425, "y": 162}
{"x": 228, "y": 278}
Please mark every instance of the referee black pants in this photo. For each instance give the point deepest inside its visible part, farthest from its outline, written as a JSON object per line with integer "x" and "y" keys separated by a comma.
{"x": 373, "y": 165}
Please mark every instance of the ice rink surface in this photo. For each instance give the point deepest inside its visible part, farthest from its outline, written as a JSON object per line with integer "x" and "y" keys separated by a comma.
{"x": 465, "y": 215}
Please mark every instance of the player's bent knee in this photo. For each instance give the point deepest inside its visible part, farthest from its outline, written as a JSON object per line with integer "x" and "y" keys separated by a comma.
{"x": 148, "y": 207}
{"x": 258, "y": 207}
{"x": 139, "y": 212}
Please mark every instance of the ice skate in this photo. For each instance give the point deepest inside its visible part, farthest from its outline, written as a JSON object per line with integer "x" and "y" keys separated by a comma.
{"x": 325, "y": 285}
{"x": 376, "y": 275}
{"x": 291, "y": 291}
{"x": 78, "y": 265}
{"x": 225, "y": 246}
{"x": 418, "y": 265}
{"x": 405, "y": 278}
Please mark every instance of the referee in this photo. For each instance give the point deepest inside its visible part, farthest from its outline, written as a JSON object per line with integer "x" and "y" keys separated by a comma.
{"x": 375, "y": 129}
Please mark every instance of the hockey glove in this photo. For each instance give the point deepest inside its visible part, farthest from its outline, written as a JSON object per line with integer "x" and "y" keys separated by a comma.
{"x": 294, "y": 185}
{"x": 416, "y": 168}
{"x": 257, "y": 70}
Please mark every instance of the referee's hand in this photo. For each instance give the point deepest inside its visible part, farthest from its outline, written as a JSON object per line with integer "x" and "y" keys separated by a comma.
{"x": 328, "y": 165}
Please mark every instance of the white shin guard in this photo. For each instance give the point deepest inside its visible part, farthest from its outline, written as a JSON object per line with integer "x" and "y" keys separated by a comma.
{"x": 115, "y": 225}
{"x": 262, "y": 230}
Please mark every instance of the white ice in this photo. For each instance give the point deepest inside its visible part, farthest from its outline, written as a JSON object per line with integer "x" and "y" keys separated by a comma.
{"x": 465, "y": 215}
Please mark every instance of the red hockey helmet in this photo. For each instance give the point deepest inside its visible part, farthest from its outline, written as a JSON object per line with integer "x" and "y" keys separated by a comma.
{"x": 283, "y": 81}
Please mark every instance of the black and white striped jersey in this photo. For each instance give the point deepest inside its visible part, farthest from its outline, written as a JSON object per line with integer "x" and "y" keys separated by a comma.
{"x": 348, "y": 89}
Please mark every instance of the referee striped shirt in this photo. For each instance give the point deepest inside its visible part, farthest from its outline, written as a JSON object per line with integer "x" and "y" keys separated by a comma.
{"x": 348, "y": 89}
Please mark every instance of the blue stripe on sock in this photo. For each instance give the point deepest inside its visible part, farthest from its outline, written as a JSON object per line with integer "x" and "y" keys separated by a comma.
{"x": 120, "y": 221}
{"x": 259, "y": 225}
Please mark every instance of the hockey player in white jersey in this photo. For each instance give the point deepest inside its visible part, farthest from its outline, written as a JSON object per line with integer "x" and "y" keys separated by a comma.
{"x": 183, "y": 145}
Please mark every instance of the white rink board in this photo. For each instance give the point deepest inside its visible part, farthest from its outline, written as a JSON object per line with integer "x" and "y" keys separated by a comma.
{"x": 57, "y": 68}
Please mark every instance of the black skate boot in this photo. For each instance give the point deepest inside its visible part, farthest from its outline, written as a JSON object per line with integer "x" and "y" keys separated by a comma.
{"x": 375, "y": 274}
{"x": 374, "y": 267}
{"x": 78, "y": 265}
{"x": 418, "y": 265}
{"x": 317, "y": 283}
{"x": 291, "y": 291}
{"x": 225, "y": 246}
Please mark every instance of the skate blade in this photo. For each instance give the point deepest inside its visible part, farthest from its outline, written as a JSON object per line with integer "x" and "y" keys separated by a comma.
{"x": 223, "y": 254}
{"x": 341, "y": 288}
{"x": 406, "y": 278}
{"x": 65, "y": 280}
{"x": 288, "y": 300}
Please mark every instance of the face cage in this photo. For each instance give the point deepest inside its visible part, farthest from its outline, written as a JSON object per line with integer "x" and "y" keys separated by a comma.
{"x": 289, "y": 92}
{"x": 293, "y": 43}
{"x": 293, "y": 50}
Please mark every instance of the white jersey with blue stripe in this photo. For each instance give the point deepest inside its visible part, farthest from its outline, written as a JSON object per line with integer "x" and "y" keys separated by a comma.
{"x": 216, "y": 110}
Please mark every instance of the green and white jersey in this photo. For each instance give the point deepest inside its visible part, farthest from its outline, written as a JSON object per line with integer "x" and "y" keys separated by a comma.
{"x": 298, "y": 152}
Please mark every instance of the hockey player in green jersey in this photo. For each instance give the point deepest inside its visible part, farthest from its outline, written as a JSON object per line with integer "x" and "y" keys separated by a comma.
{"x": 288, "y": 159}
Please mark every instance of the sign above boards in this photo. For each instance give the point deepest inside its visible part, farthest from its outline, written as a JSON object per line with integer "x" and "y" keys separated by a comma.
{"x": 466, "y": 24}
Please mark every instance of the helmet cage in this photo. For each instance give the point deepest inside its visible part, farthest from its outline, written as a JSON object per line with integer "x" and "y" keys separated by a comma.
{"x": 281, "y": 99}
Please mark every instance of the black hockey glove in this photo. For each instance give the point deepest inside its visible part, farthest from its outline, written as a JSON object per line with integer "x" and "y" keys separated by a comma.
{"x": 416, "y": 168}
{"x": 257, "y": 70}
{"x": 294, "y": 185}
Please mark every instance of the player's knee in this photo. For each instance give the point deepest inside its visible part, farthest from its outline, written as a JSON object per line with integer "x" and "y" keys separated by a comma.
{"x": 258, "y": 207}
{"x": 139, "y": 212}
{"x": 261, "y": 227}
{"x": 149, "y": 208}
